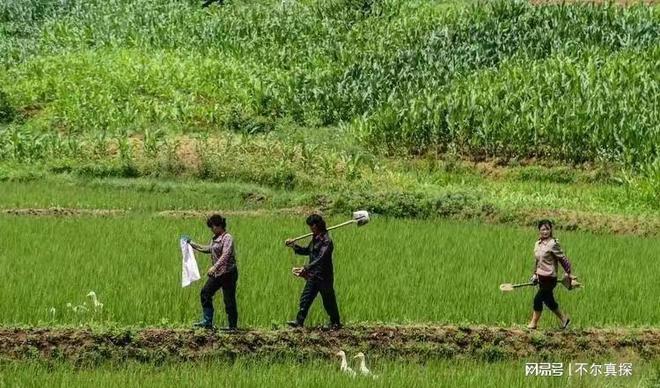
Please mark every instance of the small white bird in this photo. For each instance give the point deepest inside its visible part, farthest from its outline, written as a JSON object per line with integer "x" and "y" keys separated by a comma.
{"x": 344, "y": 364}
{"x": 97, "y": 305}
{"x": 363, "y": 366}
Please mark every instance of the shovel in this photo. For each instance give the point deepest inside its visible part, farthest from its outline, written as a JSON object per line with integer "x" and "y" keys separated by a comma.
{"x": 508, "y": 287}
{"x": 570, "y": 282}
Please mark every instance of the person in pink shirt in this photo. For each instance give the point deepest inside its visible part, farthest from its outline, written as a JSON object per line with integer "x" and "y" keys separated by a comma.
{"x": 548, "y": 255}
{"x": 223, "y": 273}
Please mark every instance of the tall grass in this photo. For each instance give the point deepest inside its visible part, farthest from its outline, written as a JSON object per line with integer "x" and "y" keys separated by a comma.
{"x": 251, "y": 373}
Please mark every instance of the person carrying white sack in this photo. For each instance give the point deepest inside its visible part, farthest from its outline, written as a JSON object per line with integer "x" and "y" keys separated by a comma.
{"x": 223, "y": 273}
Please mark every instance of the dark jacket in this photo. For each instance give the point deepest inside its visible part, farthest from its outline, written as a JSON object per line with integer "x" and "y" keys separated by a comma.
{"x": 320, "y": 257}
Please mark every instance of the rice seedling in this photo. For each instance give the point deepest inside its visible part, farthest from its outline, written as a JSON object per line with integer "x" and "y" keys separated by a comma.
{"x": 391, "y": 271}
{"x": 315, "y": 373}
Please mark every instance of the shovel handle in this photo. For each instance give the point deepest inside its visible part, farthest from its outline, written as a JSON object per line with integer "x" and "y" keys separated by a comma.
{"x": 524, "y": 285}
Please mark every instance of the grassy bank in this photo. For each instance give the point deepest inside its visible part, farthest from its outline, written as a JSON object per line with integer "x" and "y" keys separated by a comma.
{"x": 249, "y": 373}
{"x": 588, "y": 199}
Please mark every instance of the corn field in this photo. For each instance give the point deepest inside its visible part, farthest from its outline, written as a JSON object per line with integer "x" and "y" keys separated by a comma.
{"x": 570, "y": 82}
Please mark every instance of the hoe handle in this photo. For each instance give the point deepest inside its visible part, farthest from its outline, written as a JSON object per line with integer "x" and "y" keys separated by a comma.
{"x": 330, "y": 228}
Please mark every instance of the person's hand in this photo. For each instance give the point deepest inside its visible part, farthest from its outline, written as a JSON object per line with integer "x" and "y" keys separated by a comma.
{"x": 534, "y": 279}
{"x": 298, "y": 271}
{"x": 568, "y": 281}
{"x": 289, "y": 242}
{"x": 211, "y": 271}
{"x": 186, "y": 238}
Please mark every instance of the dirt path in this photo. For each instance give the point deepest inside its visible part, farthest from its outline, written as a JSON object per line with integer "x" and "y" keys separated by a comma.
{"x": 565, "y": 219}
{"x": 84, "y": 346}
{"x": 61, "y": 212}
{"x": 192, "y": 213}
{"x": 242, "y": 213}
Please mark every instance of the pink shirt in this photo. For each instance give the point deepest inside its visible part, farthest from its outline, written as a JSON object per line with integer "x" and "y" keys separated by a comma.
{"x": 223, "y": 254}
{"x": 548, "y": 253}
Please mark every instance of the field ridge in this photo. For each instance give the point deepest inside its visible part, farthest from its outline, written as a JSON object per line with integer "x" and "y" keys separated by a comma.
{"x": 565, "y": 219}
{"x": 422, "y": 342}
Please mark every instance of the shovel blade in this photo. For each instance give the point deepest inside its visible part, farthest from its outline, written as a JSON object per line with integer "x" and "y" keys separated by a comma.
{"x": 506, "y": 287}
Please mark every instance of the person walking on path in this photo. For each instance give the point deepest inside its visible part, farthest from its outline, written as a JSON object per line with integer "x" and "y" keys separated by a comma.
{"x": 548, "y": 255}
{"x": 318, "y": 273}
{"x": 223, "y": 273}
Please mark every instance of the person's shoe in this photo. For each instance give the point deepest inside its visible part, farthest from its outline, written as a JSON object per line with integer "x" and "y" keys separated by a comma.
{"x": 294, "y": 324}
{"x": 333, "y": 327}
{"x": 564, "y": 324}
{"x": 203, "y": 324}
{"x": 531, "y": 327}
{"x": 231, "y": 329}
{"x": 207, "y": 319}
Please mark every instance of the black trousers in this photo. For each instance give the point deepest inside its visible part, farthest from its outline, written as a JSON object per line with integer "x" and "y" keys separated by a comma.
{"x": 327, "y": 291}
{"x": 227, "y": 282}
{"x": 545, "y": 295}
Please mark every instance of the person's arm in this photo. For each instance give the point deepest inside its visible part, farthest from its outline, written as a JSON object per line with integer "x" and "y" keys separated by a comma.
{"x": 200, "y": 248}
{"x": 561, "y": 257}
{"x": 536, "y": 262}
{"x": 297, "y": 248}
{"x": 534, "y": 278}
{"x": 227, "y": 249}
{"x": 303, "y": 251}
{"x": 324, "y": 252}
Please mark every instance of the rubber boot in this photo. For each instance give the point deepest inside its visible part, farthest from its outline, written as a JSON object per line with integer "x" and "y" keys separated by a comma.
{"x": 207, "y": 319}
{"x": 295, "y": 323}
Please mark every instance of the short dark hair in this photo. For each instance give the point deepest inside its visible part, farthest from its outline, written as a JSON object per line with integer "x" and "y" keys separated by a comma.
{"x": 316, "y": 219}
{"x": 545, "y": 222}
{"x": 216, "y": 220}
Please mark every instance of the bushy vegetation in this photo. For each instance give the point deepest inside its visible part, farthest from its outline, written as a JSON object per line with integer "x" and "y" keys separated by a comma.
{"x": 7, "y": 111}
{"x": 572, "y": 82}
